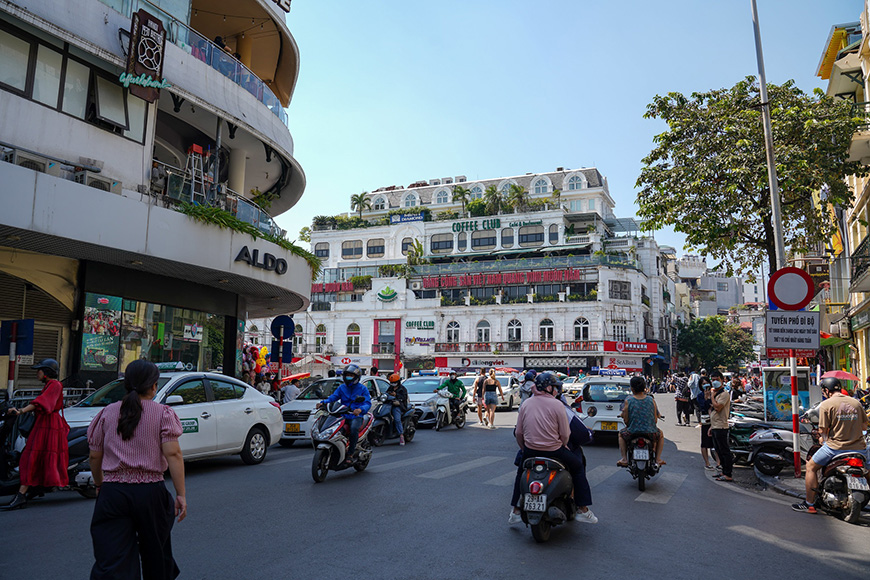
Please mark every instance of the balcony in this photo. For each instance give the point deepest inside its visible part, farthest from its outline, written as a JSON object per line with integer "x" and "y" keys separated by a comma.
{"x": 860, "y": 263}
{"x": 553, "y": 262}
{"x": 859, "y": 149}
{"x": 577, "y": 346}
{"x": 384, "y": 348}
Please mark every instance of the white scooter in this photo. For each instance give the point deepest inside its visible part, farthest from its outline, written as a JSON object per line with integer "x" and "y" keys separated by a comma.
{"x": 443, "y": 415}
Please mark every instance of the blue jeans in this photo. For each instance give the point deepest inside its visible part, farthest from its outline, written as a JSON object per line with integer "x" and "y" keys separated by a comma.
{"x": 397, "y": 417}
{"x": 353, "y": 427}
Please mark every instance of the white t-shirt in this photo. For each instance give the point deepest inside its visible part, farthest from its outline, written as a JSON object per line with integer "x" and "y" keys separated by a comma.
{"x": 289, "y": 393}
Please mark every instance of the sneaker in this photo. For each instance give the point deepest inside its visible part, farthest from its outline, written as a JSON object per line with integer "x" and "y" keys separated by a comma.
{"x": 401, "y": 439}
{"x": 586, "y": 517}
{"x": 515, "y": 518}
{"x": 804, "y": 507}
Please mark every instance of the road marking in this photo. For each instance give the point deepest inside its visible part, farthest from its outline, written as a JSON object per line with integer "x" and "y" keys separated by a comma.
{"x": 662, "y": 488}
{"x": 503, "y": 480}
{"x": 309, "y": 456}
{"x": 600, "y": 473}
{"x": 460, "y": 467}
{"x": 406, "y": 462}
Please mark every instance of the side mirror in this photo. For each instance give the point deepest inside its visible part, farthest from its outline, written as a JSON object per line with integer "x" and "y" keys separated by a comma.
{"x": 359, "y": 399}
{"x": 174, "y": 400}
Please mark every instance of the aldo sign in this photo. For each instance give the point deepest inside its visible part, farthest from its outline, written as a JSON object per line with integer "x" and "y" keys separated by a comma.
{"x": 268, "y": 262}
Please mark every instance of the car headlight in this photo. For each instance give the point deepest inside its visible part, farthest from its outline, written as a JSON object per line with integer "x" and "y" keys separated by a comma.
{"x": 431, "y": 403}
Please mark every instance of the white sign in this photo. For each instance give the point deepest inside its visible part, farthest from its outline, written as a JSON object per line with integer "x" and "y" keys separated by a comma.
{"x": 622, "y": 362}
{"x": 343, "y": 361}
{"x": 789, "y": 329}
{"x": 193, "y": 332}
{"x": 515, "y": 362}
{"x": 25, "y": 359}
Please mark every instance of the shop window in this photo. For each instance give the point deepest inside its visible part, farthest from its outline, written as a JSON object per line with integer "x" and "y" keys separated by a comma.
{"x": 483, "y": 331}
{"x": 507, "y": 238}
{"x": 441, "y": 243}
{"x": 375, "y": 248}
{"x": 620, "y": 290}
{"x": 547, "y": 330}
{"x": 321, "y": 250}
{"x": 453, "y": 332}
{"x": 351, "y": 250}
{"x": 581, "y": 329}
{"x": 515, "y": 331}
{"x": 531, "y": 236}
{"x": 483, "y": 240}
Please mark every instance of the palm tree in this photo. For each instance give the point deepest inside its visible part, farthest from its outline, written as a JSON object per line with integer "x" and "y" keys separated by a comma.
{"x": 461, "y": 194}
{"x": 494, "y": 201}
{"x": 518, "y": 197}
{"x": 556, "y": 196}
{"x": 360, "y": 202}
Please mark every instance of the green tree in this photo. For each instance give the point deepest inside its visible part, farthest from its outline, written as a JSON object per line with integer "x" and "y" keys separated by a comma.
{"x": 710, "y": 342}
{"x": 360, "y": 202}
{"x": 556, "y": 197}
{"x": 305, "y": 234}
{"x": 476, "y": 207}
{"x": 494, "y": 201}
{"x": 518, "y": 197}
{"x": 462, "y": 195}
{"x": 707, "y": 175}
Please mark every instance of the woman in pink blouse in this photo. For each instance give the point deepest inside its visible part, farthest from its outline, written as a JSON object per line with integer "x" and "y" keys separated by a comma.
{"x": 132, "y": 443}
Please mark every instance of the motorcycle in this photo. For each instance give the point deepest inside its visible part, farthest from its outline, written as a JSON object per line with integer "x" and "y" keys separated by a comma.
{"x": 384, "y": 426}
{"x": 443, "y": 415}
{"x": 772, "y": 447}
{"x": 641, "y": 459}
{"x": 843, "y": 490}
{"x": 328, "y": 436}
{"x": 547, "y": 499}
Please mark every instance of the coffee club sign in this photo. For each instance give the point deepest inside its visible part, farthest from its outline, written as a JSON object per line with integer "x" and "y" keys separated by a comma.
{"x": 473, "y": 226}
{"x": 477, "y": 280}
{"x": 420, "y": 324}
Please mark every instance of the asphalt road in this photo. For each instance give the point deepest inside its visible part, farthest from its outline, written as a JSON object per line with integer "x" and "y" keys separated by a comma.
{"x": 437, "y": 508}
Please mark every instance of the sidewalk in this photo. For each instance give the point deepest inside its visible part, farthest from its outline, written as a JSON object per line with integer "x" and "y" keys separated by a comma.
{"x": 784, "y": 483}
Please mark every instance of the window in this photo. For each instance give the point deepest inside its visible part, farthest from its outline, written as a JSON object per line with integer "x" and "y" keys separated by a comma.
{"x": 351, "y": 250}
{"x": 137, "y": 111}
{"x": 554, "y": 234}
{"x": 46, "y": 78}
{"x": 353, "y": 338}
{"x": 224, "y": 391}
{"x": 462, "y": 243}
{"x": 13, "y": 65}
{"x": 575, "y": 183}
{"x": 379, "y": 204}
{"x": 507, "y": 238}
{"x": 442, "y": 197}
{"x": 620, "y": 332}
{"x": 483, "y": 331}
{"x": 505, "y": 190}
{"x": 531, "y": 236}
{"x": 320, "y": 338}
{"x": 547, "y": 329}
{"x": 192, "y": 392}
{"x": 75, "y": 89}
{"x": 453, "y": 332}
{"x": 441, "y": 243}
{"x": 483, "y": 240}
{"x": 321, "y": 250}
{"x": 581, "y": 329}
{"x": 406, "y": 245}
{"x": 541, "y": 186}
{"x": 476, "y": 193}
{"x": 375, "y": 248}
{"x": 722, "y": 286}
{"x": 620, "y": 290}
{"x": 111, "y": 107}
{"x": 298, "y": 339}
{"x": 515, "y": 331}
{"x": 591, "y": 205}
{"x": 410, "y": 200}
{"x": 548, "y": 289}
{"x": 515, "y": 291}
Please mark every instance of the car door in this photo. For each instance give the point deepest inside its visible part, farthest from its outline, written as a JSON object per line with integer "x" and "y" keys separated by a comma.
{"x": 371, "y": 384}
{"x": 196, "y": 412}
{"x": 234, "y": 414}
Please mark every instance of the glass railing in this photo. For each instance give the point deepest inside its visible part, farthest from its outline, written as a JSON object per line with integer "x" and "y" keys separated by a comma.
{"x": 527, "y": 264}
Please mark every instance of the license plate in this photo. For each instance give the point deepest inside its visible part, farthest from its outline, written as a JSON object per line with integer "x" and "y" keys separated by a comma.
{"x": 858, "y": 483}
{"x": 609, "y": 425}
{"x": 536, "y": 503}
{"x": 291, "y": 428}
{"x": 641, "y": 454}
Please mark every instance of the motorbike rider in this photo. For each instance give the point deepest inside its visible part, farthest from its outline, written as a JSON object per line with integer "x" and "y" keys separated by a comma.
{"x": 528, "y": 385}
{"x": 640, "y": 414}
{"x": 457, "y": 392}
{"x": 347, "y": 393}
{"x": 543, "y": 430}
{"x": 397, "y": 395}
{"x": 842, "y": 421}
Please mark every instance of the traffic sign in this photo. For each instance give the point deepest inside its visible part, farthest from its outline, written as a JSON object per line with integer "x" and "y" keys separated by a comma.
{"x": 282, "y": 327}
{"x": 792, "y": 330}
{"x": 790, "y": 288}
{"x": 23, "y": 340}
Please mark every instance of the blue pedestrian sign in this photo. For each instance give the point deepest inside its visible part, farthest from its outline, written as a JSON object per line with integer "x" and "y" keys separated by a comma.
{"x": 23, "y": 340}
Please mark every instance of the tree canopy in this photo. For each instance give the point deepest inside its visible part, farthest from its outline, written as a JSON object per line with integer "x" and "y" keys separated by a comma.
{"x": 710, "y": 342}
{"x": 707, "y": 175}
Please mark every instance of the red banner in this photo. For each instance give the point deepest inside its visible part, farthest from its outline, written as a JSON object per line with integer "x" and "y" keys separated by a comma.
{"x": 332, "y": 287}
{"x": 798, "y": 352}
{"x": 631, "y": 347}
{"x": 499, "y": 279}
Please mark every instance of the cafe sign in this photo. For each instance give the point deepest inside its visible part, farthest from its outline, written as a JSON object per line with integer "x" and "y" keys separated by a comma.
{"x": 420, "y": 324}
{"x": 475, "y": 225}
{"x": 522, "y": 224}
{"x": 145, "y": 54}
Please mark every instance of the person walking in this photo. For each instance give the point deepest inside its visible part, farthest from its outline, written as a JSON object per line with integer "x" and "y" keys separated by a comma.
{"x": 706, "y": 439}
{"x": 720, "y": 400}
{"x": 478, "y": 398}
{"x": 683, "y": 397}
{"x": 490, "y": 385}
{"x": 133, "y": 442}
{"x": 45, "y": 459}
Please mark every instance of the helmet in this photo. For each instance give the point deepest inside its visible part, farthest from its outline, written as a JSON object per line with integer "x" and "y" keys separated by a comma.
{"x": 48, "y": 366}
{"x": 351, "y": 374}
{"x": 530, "y": 376}
{"x": 395, "y": 378}
{"x": 831, "y": 384}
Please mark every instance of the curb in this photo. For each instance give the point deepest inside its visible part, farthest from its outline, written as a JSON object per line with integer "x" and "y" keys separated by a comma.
{"x": 776, "y": 484}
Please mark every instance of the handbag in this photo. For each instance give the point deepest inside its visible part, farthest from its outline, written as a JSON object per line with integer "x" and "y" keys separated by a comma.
{"x": 25, "y": 424}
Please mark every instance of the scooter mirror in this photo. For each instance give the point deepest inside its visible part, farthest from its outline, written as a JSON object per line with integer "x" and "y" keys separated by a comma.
{"x": 359, "y": 399}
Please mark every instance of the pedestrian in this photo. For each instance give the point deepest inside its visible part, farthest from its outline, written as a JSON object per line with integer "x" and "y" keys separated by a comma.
{"x": 133, "y": 442}
{"x": 720, "y": 401}
{"x": 290, "y": 391}
{"x": 478, "y": 397}
{"x": 45, "y": 459}
{"x": 490, "y": 385}
{"x": 374, "y": 372}
{"x": 682, "y": 396}
{"x": 528, "y": 385}
{"x": 695, "y": 388}
{"x": 706, "y": 439}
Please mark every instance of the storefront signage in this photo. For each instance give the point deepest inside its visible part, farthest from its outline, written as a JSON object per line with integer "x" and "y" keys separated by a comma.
{"x": 473, "y": 226}
{"x": 192, "y": 332}
{"x": 419, "y": 340}
{"x": 555, "y": 362}
{"x": 622, "y": 362}
{"x": 631, "y": 347}
{"x": 403, "y": 218}
{"x": 145, "y": 57}
{"x": 420, "y": 324}
{"x": 387, "y": 294}
{"x": 332, "y": 287}
{"x": 860, "y": 320}
{"x": 269, "y": 262}
{"x": 523, "y": 224}
{"x": 477, "y": 280}
{"x": 360, "y": 361}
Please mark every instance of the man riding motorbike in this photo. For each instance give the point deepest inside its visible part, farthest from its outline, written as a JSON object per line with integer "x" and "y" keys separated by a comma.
{"x": 347, "y": 393}
{"x": 398, "y": 397}
{"x": 457, "y": 392}
{"x": 842, "y": 421}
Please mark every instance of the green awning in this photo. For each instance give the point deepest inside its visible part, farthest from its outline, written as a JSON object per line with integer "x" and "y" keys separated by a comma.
{"x": 832, "y": 341}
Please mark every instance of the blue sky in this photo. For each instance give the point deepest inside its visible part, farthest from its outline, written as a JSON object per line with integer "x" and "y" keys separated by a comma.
{"x": 392, "y": 91}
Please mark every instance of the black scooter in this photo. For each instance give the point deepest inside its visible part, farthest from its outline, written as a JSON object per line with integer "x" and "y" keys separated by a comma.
{"x": 384, "y": 426}
{"x": 546, "y": 499}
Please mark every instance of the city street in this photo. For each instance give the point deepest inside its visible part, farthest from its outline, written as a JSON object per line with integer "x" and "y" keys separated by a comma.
{"x": 438, "y": 507}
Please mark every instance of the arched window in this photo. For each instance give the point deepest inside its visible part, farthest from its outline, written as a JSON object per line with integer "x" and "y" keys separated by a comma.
{"x": 406, "y": 245}
{"x": 254, "y": 334}
{"x": 507, "y": 238}
{"x": 483, "y": 331}
{"x": 541, "y": 186}
{"x": 476, "y": 193}
{"x": 515, "y": 331}
{"x": 453, "y": 332}
{"x": 505, "y": 190}
{"x": 298, "y": 338}
{"x": 320, "y": 338}
{"x": 461, "y": 242}
{"x": 575, "y": 183}
{"x": 546, "y": 330}
{"x": 554, "y": 234}
{"x": 441, "y": 197}
{"x": 581, "y": 329}
{"x": 353, "y": 338}
{"x": 321, "y": 250}
{"x": 380, "y": 204}
{"x": 410, "y": 200}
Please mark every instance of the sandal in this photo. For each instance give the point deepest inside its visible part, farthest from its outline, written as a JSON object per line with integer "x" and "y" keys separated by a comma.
{"x": 621, "y": 463}
{"x": 721, "y": 477}
{"x": 662, "y": 462}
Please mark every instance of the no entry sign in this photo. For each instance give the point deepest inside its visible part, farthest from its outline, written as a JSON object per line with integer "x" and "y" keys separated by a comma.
{"x": 790, "y": 288}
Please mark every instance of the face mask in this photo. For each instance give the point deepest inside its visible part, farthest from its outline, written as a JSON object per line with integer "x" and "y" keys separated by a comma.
{"x": 716, "y": 384}
{"x": 348, "y": 379}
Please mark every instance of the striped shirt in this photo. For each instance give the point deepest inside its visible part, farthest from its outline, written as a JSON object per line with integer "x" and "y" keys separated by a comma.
{"x": 139, "y": 459}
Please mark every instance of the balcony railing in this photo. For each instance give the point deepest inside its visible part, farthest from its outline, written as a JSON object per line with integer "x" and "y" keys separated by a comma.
{"x": 860, "y": 259}
{"x": 384, "y": 348}
{"x": 527, "y": 264}
{"x": 862, "y": 110}
{"x": 519, "y": 346}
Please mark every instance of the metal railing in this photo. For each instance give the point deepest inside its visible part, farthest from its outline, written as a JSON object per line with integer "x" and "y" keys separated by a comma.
{"x": 527, "y": 264}
{"x": 862, "y": 110}
{"x": 861, "y": 258}
{"x": 573, "y": 346}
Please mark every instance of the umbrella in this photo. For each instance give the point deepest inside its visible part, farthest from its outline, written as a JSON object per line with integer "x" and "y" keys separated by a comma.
{"x": 842, "y": 375}
{"x": 299, "y": 376}
{"x": 505, "y": 370}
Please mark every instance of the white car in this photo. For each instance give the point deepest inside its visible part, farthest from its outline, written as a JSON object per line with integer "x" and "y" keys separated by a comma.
{"x": 219, "y": 414}
{"x": 602, "y": 400}
{"x": 421, "y": 395}
{"x": 509, "y": 386}
{"x": 298, "y": 414}
{"x": 573, "y": 386}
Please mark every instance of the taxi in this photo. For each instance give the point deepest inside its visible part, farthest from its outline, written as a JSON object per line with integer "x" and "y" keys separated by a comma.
{"x": 601, "y": 400}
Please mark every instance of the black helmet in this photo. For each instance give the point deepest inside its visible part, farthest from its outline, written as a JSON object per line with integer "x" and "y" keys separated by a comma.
{"x": 351, "y": 374}
{"x": 831, "y": 384}
{"x": 48, "y": 366}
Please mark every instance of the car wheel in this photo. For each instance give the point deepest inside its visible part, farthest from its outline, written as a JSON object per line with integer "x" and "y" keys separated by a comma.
{"x": 286, "y": 442}
{"x": 254, "y": 449}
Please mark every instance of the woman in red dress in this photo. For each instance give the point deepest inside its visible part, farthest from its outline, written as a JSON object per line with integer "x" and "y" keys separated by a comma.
{"x": 45, "y": 458}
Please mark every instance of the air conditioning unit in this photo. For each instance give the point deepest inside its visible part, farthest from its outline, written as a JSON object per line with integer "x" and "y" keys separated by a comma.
{"x": 416, "y": 285}
{"x": 98, "y": 181}
{"x": 36, "y": 163}
{"x": 845, "y": 328}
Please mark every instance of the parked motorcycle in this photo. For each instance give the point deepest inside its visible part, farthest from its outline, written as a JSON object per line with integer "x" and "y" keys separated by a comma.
{"x": 843, "y": 490}
{"x": 546, "y": 496}
{"x": 328, "y": 435}
{"x": 641, "y": 459}
{"x": 443, "y": 413}
{"x": 773, "y": 449}
{"x": 384, "y": 426}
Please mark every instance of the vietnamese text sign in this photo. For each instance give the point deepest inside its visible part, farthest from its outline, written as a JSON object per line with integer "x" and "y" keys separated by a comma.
{"x": 476, "y": 280}
{"x": 786, "y": 329}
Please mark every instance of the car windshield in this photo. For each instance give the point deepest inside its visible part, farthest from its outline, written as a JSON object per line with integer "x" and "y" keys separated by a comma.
{"x": 606, "y": 392}
{"x": 112, "y": 393}
{"x": 468, "y": 381}
{"x": 320, "y": 389}
{"x": 420, "y": 385}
